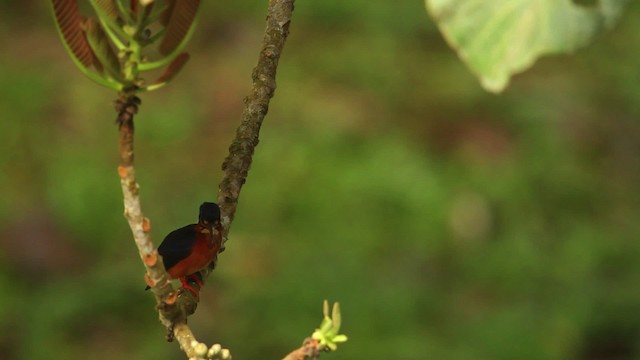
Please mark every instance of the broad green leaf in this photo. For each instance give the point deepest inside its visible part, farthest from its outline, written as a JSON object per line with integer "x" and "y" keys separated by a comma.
{"x": 498, "y": 38}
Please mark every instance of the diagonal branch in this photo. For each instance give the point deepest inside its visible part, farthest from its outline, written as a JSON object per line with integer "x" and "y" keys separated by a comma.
{"x": 256, "y": 104}
{"x": 236, "y": 165}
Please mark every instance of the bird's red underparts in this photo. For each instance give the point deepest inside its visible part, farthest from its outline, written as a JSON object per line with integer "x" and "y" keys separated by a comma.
{"x": 192, "y": 248}
{"x": 204, "y": 250}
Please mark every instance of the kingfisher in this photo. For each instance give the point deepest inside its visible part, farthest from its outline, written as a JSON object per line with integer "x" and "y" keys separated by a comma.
{"x": 192, "y": 248}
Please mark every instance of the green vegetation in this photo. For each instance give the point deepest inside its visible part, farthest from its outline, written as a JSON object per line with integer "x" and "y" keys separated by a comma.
{"x": 449, "y": 223}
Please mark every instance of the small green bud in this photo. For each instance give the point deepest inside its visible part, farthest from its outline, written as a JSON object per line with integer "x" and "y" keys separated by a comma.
{"x": 225, "y": 354}
{"x": 200, "y": 349}
{"x": 215, "y": 350}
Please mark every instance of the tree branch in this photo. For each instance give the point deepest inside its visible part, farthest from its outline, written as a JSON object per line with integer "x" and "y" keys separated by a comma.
{"x": 236, "y": 165}
{"x": 171, "y": 312}
{"x": 175, "y": 309}
{"x": 308, "y": 350}
{"x": 127, "y": 107}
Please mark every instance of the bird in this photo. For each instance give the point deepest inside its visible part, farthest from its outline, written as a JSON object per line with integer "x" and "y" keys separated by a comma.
{"x": 189, "y": 249}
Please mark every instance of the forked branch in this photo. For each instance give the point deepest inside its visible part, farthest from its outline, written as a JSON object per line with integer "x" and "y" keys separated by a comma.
{"x": 173, "y": 309}
{"x": 91, "y": 43}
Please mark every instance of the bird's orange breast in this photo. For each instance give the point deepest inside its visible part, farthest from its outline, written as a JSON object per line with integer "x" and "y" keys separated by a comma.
{"x": 203, "y": 252}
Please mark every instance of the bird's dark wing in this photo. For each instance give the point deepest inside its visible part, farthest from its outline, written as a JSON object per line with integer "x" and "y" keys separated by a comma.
{"x": 177, "y": 245}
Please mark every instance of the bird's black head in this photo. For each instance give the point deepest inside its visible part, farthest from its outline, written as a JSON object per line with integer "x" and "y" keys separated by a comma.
{"x": 209, "y": 212}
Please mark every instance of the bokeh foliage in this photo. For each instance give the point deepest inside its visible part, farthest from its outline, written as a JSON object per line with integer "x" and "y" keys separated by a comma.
{"x": 497, "y": 39}
{"x": 449, "y": 223}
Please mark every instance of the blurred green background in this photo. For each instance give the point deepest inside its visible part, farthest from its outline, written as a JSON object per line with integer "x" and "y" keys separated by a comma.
{"x": 450, "y": 223}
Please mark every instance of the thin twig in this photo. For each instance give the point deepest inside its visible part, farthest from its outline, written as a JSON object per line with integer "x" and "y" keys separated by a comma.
{"x": 127, "y": 107}
{"x": 156, "y": 276}
{"x": 308, "y": 350}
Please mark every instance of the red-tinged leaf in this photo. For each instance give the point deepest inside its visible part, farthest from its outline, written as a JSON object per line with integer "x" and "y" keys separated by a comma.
{"x": 69, "y": 20}
{"x": 182, "y": 16}
{"x": 102, "y": 49}
{"x": 134, "y": 6}
{"x": 109, "y": 8}
{"x": 166, "y": 14}
{"x": 174, "y": 68}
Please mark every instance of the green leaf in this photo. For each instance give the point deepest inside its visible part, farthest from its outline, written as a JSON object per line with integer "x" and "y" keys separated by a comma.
{"x": 327, "y": 334}
{"x": 340, "y": 338}
{"x": 498, "y": 38}
{"x": 102, "y": 49}
{"x": 182, "y": 15}
{"x": 107, "y": 8}
{"x": 109, "y": 17}
{"x": 326, "y": 325}
{"x": 336, "y": 317}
